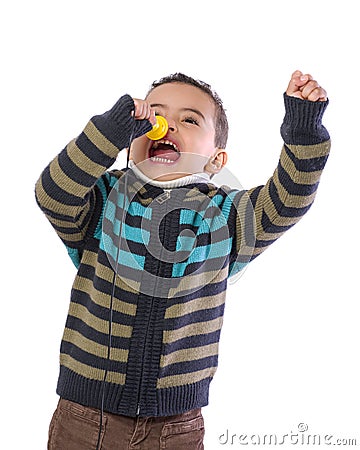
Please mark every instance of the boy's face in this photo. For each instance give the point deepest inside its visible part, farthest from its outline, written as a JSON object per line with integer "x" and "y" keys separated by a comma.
{"x": 189, "y": 145}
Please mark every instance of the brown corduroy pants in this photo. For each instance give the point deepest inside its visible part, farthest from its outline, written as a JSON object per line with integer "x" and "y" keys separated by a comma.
{"x": 76, "y": 427}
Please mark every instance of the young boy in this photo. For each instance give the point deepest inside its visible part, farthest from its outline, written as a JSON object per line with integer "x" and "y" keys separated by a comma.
{"x": 154, "y": 246}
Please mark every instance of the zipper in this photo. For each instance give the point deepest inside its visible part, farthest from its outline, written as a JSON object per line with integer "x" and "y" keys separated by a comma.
{"x": 161, "y": 199}
{"x": 142, "y": 365}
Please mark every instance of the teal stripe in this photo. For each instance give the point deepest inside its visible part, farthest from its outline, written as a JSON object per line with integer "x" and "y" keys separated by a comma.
{"x": 212, "y": 224}
{"x": 134, "y": 209}
{"x": 185, "y": 243}
{"x": 137, "y": 209}
{"x": 190, "y": 217}
{"x": 112, "y": 179}
{"x": 203, "y": 253}
{"x": 101, "y": 185}
{"x": 110, "y": 211}
{"x": 236, "y": 267}
{"x": 74, "y": 255}
{"x": 228, "y": 203}
{"x": 135, "y": 234}
{"x": 222, "y": 206}
{"x": 205, "y": 225}
{"x": 127, "y": 231}
{"x": 125, "y": 258}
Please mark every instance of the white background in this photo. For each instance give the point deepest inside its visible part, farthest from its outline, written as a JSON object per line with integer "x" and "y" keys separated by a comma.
{"x": 289, "y": 349}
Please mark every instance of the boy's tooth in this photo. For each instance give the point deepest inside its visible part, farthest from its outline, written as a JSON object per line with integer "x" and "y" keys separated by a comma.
{"x": 162, "y": 160}
{"x": 164, "y": 141}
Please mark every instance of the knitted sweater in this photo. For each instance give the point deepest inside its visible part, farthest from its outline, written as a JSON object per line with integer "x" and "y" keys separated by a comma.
{"x": 172, "y": 251}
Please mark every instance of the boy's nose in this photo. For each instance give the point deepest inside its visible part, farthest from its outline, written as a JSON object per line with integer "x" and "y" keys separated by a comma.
{"x": 171, "y": 123}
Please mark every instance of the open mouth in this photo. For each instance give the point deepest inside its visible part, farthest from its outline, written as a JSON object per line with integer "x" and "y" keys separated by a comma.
{"x": 164, "y": 151}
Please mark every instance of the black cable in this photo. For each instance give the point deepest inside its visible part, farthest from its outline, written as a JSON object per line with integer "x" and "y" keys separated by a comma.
{"x": 113, "y": 285}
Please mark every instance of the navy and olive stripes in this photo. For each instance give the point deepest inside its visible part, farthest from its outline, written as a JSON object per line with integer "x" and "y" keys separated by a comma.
{"x": 167, "y": 314}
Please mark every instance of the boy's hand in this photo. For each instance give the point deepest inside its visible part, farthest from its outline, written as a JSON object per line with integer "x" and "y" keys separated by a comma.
{"x": 305, "y": 87}
{"x": 143, "y": 110}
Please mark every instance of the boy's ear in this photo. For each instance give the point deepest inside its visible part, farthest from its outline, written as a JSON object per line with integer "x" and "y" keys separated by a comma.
{"x": 216, "y": 162}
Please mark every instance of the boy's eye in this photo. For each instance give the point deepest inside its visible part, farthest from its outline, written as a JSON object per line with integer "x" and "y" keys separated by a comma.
{"x": 191, "y": 120}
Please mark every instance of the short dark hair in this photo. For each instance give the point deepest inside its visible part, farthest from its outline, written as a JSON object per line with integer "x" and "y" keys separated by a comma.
{"x": 221, "y": 122}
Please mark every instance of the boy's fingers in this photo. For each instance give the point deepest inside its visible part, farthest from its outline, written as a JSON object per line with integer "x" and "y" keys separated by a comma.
{"x": 323, "y": 95}
{"x": 309, "y": 87}
{"x": 292, "y": 87}
{"x": 142, "y": 109}
{"x": 297, "y": 83}
{"x": 138, "y": 107}
{"x": 152, "y": 118}
{"x": 313, "y": 91}
{"x": 318, "y": 94}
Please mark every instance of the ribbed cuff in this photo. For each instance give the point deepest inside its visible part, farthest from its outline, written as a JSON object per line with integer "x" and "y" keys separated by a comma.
{"x": 118, "y": 125}
{"x": 302, "y": 123}
{"x": 120, "y": 113}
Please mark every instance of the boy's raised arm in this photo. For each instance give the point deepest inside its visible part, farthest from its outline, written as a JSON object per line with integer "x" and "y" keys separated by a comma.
{"x": 290, "y": 192}
{"x": 66, "y": 190}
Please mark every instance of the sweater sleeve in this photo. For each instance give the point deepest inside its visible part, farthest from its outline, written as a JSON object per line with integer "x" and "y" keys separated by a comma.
{"x": 289, "y": 193}
{"x": 67, "y": 190}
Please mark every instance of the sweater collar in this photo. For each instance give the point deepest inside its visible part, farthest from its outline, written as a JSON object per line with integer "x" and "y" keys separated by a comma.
{"x": 178, "y": 182}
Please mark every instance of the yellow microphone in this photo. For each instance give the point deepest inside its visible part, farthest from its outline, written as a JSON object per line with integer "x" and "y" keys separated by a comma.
{"x": 159, "y": 130}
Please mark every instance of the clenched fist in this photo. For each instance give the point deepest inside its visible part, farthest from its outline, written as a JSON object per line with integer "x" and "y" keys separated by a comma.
{"x": 305, "y": 87}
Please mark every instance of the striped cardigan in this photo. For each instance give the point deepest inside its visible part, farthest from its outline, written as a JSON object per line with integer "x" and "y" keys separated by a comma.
{"x": 172, "y": 252}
